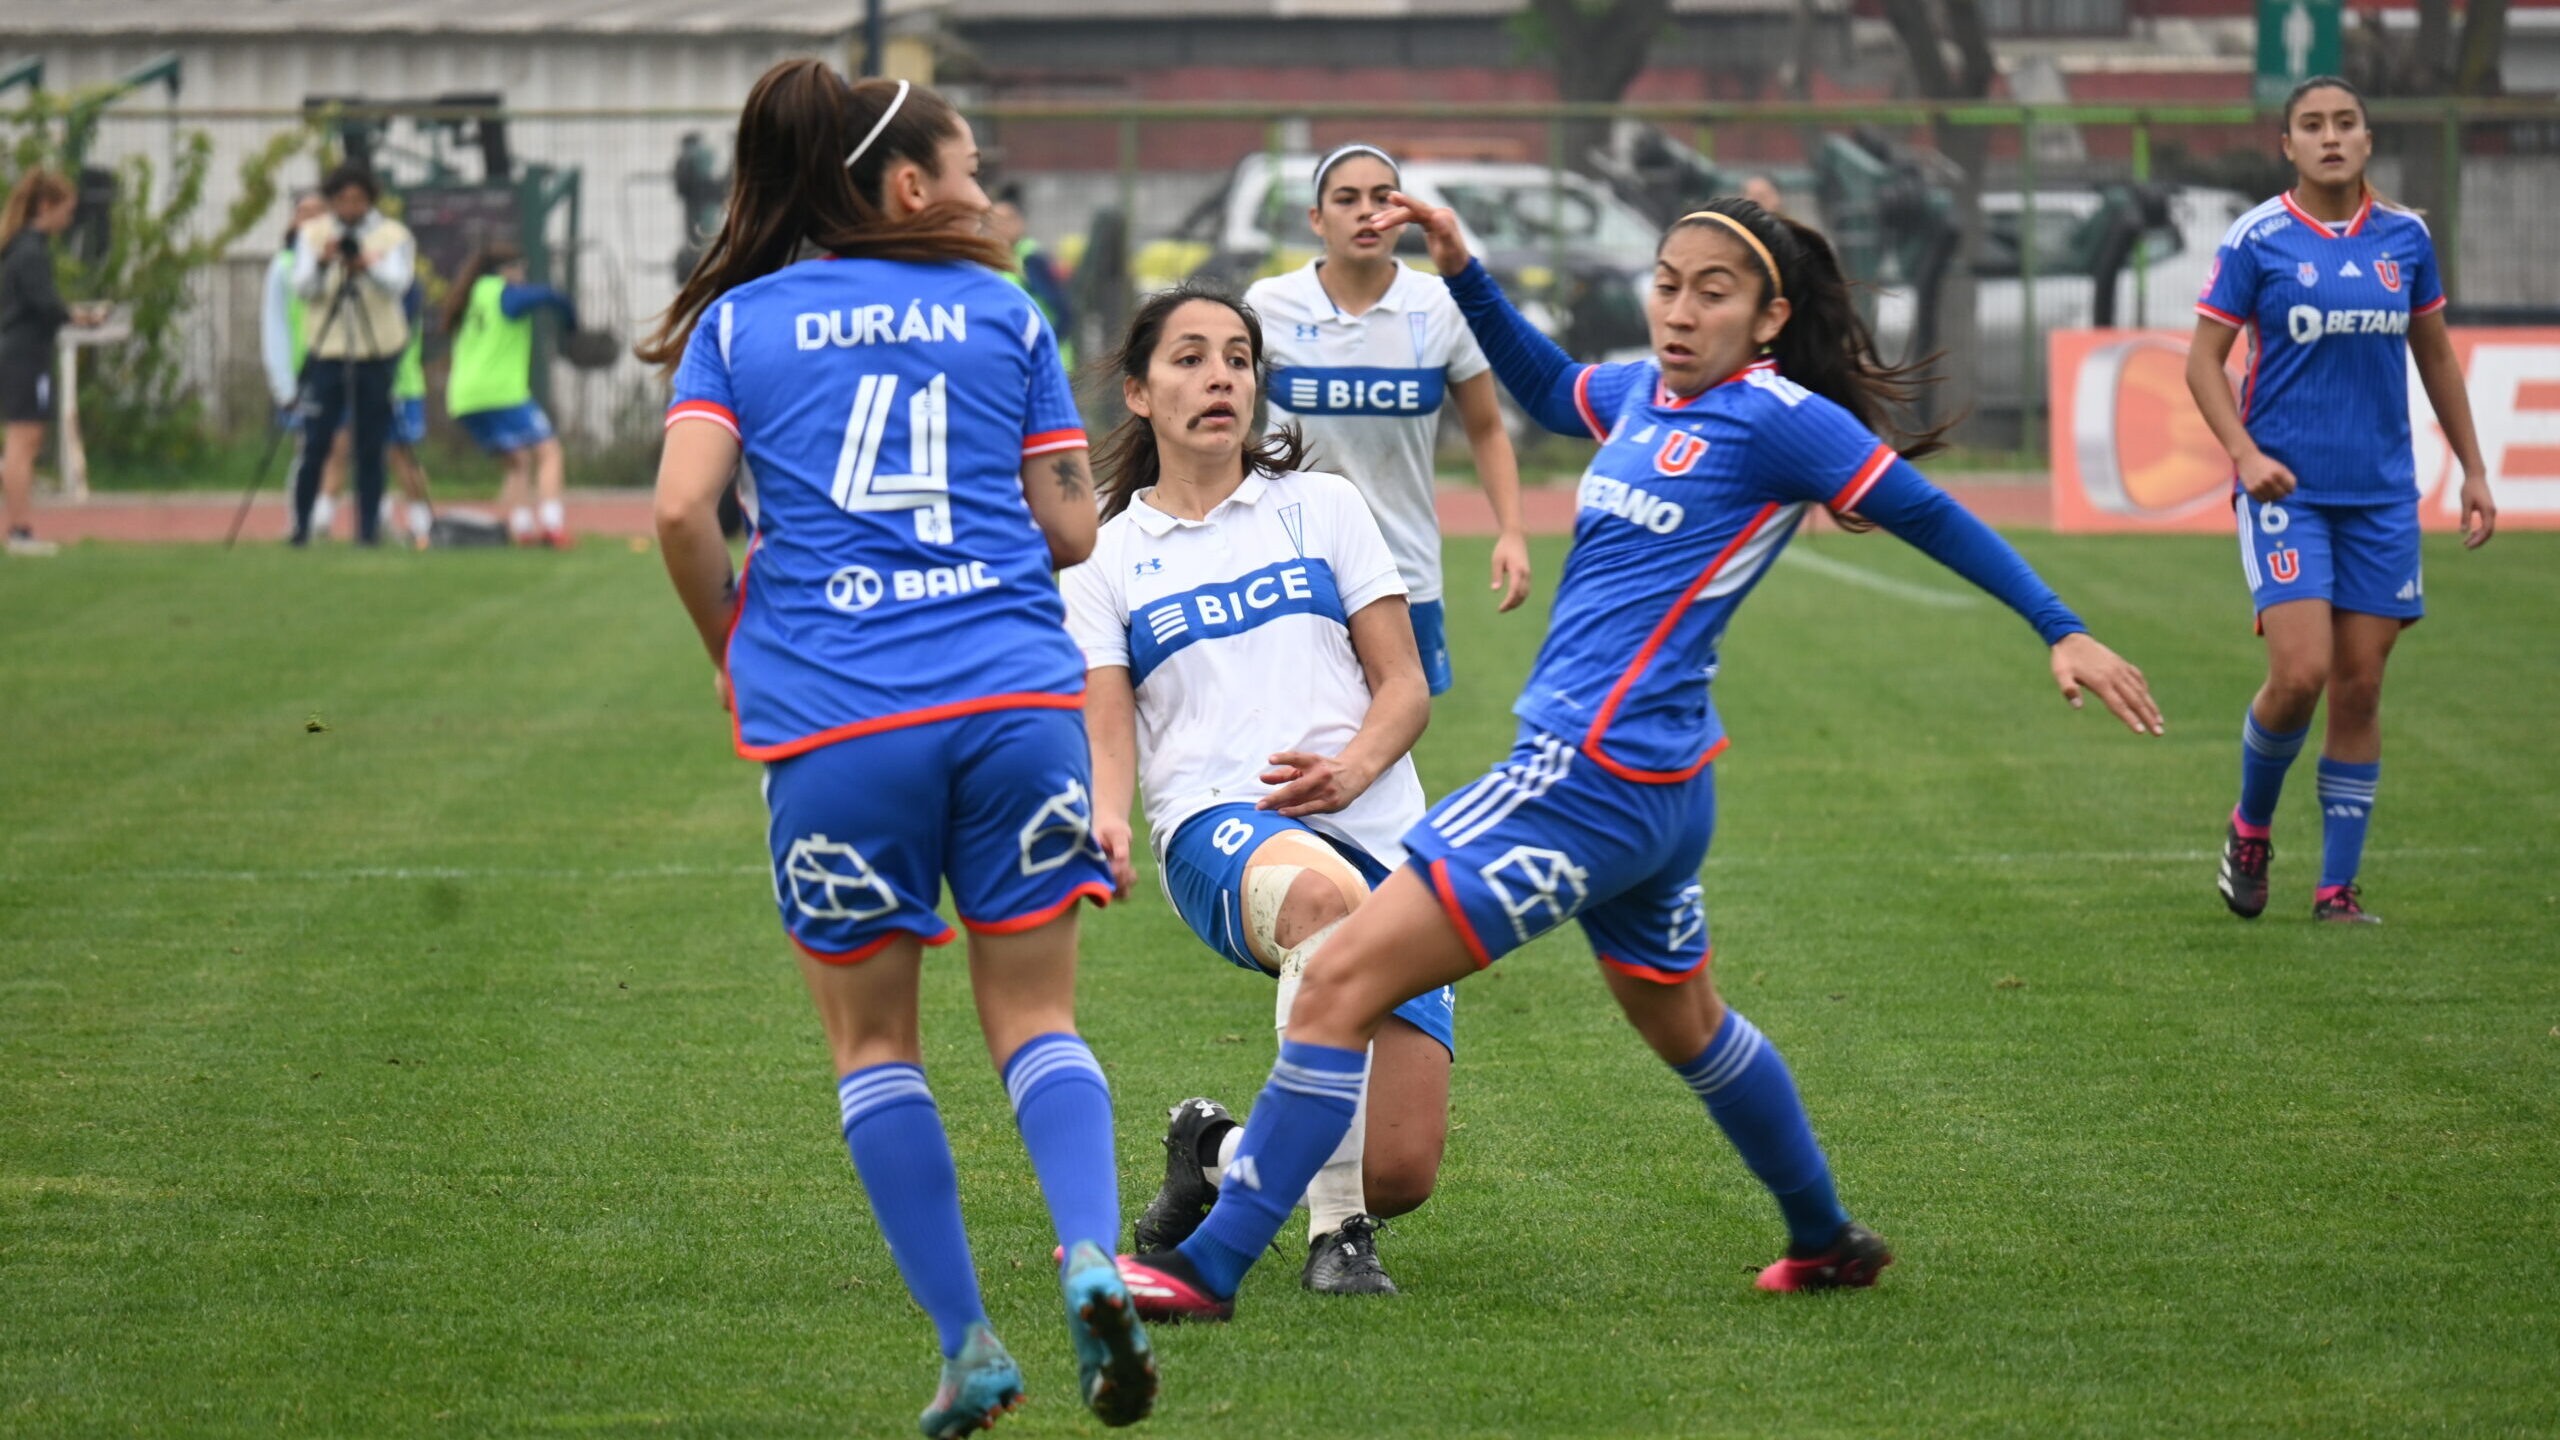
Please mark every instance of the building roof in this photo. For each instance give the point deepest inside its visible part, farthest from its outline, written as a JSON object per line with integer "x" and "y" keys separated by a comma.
{"x": 22, "y": 21}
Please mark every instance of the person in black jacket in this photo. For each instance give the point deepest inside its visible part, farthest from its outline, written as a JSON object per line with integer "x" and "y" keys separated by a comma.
{"x": 40, "y": 206}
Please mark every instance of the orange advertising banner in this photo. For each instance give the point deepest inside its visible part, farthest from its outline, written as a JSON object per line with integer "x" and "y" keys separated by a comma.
{"x": 2131, "y": 453}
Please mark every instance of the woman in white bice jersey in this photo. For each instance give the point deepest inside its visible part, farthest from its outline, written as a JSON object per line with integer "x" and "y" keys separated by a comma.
{"x": 1363, "y": 351}
{"x": 1250, "y": 658}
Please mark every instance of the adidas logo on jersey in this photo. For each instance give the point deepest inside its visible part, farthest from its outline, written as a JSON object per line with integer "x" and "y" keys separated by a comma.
{"x": 2345, "y": 812}
{"x": 2409, "y": 591}
{"x": 2349, "y": 271}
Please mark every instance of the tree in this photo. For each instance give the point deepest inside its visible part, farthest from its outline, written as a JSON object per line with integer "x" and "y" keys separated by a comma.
{"x": 2433, "y": 63}
{"x": 1596, "y": 49}
{"x": 1950, "y": 55}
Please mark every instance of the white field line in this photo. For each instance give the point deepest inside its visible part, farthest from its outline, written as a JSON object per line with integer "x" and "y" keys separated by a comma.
{"x": 1859, "y": 575}
{"x": 1826, "y": 860}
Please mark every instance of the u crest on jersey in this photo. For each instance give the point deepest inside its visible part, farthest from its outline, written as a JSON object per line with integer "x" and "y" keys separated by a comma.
{"x": 2388, "y": 272}
{"x": 1679, "y": 453}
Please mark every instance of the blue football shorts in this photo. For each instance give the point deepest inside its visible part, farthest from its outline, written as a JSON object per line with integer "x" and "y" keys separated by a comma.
{"x": 503, "y": 432}
{"x": 409, "y": 422}
{"x": 1431, "y": 637}
{"x": 1203, "y": 870}
{"x": 865, "y": 831}
{"x": 2357, "y": 557}
{"x": 1546, "y": 836}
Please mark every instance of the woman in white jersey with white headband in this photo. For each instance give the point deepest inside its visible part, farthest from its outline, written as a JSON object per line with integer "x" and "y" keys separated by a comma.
{"x": 1363, "y": 352}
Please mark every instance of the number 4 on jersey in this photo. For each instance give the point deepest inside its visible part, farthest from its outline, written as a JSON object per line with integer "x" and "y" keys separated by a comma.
{"x": 926, "y": 487}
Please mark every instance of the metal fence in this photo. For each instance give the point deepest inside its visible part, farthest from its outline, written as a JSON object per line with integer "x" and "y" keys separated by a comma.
{"x": 2089, "y": 214}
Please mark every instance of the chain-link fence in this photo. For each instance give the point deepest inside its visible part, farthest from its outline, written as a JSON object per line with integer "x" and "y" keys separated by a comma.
{"x": 1978, "y": 228}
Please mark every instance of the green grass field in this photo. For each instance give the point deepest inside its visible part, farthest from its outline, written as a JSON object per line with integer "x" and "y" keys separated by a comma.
{"x": 443, "y": 1072}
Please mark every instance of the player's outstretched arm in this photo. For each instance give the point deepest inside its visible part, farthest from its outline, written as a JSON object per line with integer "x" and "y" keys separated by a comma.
{"x": 1539, "y": 375}
{"x": 2440, "y": 371}
{"x": 1904, "y": 502}
{"x": 1111, "y": 729}
{"x": 692, "y": 470}
{"x": 1399, "y": 708}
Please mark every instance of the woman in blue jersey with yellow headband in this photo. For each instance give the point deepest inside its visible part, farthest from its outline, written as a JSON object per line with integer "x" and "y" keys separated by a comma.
{"x": 1762, "y": 401}
{"x": 895, "y": 653}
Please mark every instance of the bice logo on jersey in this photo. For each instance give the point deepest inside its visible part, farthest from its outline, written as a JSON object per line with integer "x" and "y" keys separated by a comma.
{"x": 2388, "y": 272}
{"x": 1679, "y": 453}
{"x": 1358, "y": 390}
{"x": 1538, "y": 889}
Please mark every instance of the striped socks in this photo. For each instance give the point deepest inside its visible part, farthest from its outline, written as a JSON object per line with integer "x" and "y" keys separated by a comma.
{"x": 1062, "y": 1105}
{"x": 2346, "y": 808}
{"x": 1297, "y": 1122}
{"x": 1747, "y": 1089}
{"x": 895, "y": 1134}
{"x": 2264, "y": 758}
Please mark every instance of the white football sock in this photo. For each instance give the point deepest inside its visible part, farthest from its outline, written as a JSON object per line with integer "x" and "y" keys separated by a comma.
{"x": 1337, "y": 1193}
{"x": 324, "y": 513}
{"x": 554, "y": 517}
{"x": 520, "y": 521}
{"x": 421, "y": 519}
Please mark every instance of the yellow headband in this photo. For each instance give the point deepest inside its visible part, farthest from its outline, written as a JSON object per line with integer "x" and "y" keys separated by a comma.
{"x": 1777, "y": 287}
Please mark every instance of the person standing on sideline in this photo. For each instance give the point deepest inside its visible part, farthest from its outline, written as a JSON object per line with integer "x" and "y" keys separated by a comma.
{"x": 1034, "y": 271}
{"x": 357, "y": 252}
{"x": 282, "y": 343}
{"x": 2339, "y": 292}
{"x": 1762, "y": 191}
{"x": 409, "y": 425}
{"x": 489, "y": 313}
{"x": 895, "y": 652}
{"x": 1363, "y": 352}
{"x": 40, "y": 206}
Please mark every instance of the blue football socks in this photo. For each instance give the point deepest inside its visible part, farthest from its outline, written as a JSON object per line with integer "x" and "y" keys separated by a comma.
{"x": 1063, "y": 1107}
{"x": 1751, "y": 1095}
{"x": 2346, "y": 808}
{"x": 2264, "y": 758}
{"x": 1297, "y": 1122}
{"x": 895, "y": 1134}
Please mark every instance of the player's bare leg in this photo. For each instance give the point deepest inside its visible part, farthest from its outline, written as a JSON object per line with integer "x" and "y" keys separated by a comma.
{"x": 550, "y": 486}
{"x": 2351, "y": 758}
{"x": 515, "y": 496}
{"x": 1024, "y": 983}
{"x": 1749, "y": 1093}
{"x": 2300, "y": 644}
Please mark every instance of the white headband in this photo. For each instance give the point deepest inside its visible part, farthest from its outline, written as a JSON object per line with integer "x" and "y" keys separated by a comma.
{"x": 882, "y": 124}
{"x": 1325, "y": 165}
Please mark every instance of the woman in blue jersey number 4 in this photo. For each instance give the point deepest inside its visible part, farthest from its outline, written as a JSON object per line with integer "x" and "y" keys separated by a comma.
{"x": 1362, "y": 351}
{"x": 2339, "y": 292}
{"x": 896, "y": 654}
{"x": 1761, "y": 402}
{"x": 1251, "y": 659}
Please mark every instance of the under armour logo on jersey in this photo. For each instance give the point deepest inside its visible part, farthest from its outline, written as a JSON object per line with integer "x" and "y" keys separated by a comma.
{"x": 1535, "y": 883}
{"x": 1240, "y": 1171}
{"x": 1059, "y": 831}
{"x": 1152, "y": 565}
{"x": 1306, "y": 331}
{"x": 1688, "y": 917}
{"x": 831, "y": 880}
{"x": 2349, "y": 271}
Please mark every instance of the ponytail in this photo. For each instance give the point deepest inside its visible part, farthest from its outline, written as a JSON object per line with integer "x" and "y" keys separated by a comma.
{"x": 813, "y": 153}
{"x": 1127, "y": 461}
{"x": 1826, "y": 345}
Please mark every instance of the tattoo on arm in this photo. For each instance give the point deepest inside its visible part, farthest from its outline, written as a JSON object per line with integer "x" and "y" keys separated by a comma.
{"x": 1069, "y": 471}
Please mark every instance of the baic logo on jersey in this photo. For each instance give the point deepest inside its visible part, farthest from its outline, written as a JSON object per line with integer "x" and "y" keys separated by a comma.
{"x": 1357, "y": 390}
{"x": 1539, "y": 888}
{"x": 831, "y": 880}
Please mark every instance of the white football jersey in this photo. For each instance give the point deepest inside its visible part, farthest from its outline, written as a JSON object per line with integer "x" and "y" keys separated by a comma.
{"x": 1236, "y": 632}
{"x": 1367, "y": 390}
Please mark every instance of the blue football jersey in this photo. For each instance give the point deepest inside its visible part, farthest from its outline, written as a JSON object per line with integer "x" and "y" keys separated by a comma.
{"x": 885, "y": 410}
{"x": 2327, "y": 310}
{"x": 1680, "y": 514}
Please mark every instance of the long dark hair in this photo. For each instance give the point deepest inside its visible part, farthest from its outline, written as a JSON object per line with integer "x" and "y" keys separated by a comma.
{"x": 2293, "y": 102}
{"x": 1826, "y": 346}
{"x": 489, "y": 259}
{"x": 791, "y": 184}
{"x": 1127, "y": 462}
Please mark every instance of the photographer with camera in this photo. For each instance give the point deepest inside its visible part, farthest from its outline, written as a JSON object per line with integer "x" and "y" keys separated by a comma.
{"x": 352, "y": 267}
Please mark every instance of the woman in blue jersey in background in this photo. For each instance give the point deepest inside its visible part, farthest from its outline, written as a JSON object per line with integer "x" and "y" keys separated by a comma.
{"x": 2339, "y": 292}
{"x": 1762, "y": 401}
{"x": 895, "y": 652}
